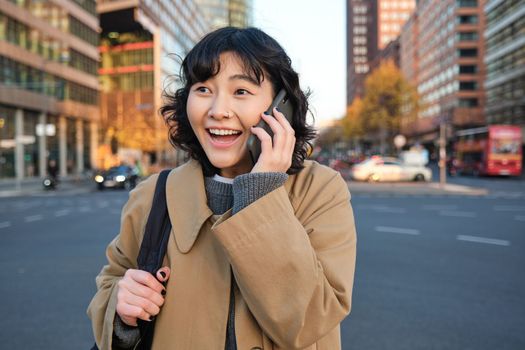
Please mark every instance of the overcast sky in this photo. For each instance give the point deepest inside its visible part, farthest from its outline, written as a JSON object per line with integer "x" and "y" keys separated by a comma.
{"x": 313, "y": 34}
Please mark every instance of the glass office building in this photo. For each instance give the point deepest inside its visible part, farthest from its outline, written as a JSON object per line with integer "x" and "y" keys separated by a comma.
{"x": 505, "y": 60}
{"x": 48, "y": 86}
{"x": 222, "y": 13}
{"x": 141, "y": 48}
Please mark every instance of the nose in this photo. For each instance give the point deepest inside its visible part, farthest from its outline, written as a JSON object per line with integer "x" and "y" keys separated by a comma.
{"x": 219, "y": 109}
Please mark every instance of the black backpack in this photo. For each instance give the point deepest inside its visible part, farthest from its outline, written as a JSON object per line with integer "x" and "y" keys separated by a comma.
{"x": 153, "y": 249}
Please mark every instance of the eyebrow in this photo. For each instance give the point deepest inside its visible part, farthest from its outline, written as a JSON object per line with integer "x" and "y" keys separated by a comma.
{"x": 244, "y": 77}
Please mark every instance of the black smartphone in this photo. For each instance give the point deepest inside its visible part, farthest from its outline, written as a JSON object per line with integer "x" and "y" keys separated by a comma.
{"x": 285, "y": 107}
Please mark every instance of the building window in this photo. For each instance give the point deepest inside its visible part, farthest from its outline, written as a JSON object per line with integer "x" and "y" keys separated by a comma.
{"x": 360, "y": 50}
{"x": 468, "y": 69}
{"x": 359, "y": 40}
{"x": 467, "y": 52}
{"x": 359, "y": 9}
{"x": 467, "y": 36}
{"x": 468, "y": 85}
{"x": 467, "y": 19}
{"x": 359, "y": 30}
{"x": 361, "y": 68}
{"x": 468, "y": 102}
{"x": 82, "y": 31}
{"x": 467, "y": 3}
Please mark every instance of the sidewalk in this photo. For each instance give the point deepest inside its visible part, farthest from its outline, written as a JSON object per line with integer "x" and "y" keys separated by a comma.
{"x": 415, "y": 188}
{"x": 33, "y": 186}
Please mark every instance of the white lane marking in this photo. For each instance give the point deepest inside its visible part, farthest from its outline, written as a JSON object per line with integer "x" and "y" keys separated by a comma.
{"x": 62, "y": 212}
{"x": 84, "y": 209}
{"x": 406, "y": 231}
{"x": 382, "y": 208}
{"x": 5, "y": 224}
{"x": 509, "y": 208}
{"x": 439, "y": 207}
{"x": 33, "y": 218}
{"x": 103, "y": 204}
{"x": 483, "y": 240}
{"x": 392, "y": 210}
{"x": 459, "y": 214}
{"x": 519, "y": 218}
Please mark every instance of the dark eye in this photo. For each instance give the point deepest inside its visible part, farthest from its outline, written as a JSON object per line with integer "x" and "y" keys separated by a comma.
{"x": 202, "y": 89}
{"x": 242, "y": 92}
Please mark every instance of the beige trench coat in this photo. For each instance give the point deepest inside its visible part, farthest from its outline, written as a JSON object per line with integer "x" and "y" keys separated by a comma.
{"x": 292, "y": 253}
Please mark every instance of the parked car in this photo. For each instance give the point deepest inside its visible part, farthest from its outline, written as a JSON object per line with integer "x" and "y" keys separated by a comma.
{"x": 121, "y": 176}
{"x": 379, "y": 168}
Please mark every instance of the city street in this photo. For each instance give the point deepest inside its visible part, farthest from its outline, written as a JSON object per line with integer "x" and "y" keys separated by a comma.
{"x": 434, "y": 271}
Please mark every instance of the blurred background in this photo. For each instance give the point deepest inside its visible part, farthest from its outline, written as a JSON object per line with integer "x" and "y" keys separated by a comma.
{"x": 420, "y": 105}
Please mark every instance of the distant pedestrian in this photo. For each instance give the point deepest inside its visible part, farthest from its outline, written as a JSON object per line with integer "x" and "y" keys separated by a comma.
{"x": 52, "y": 169}
{"x": 262, "y": 250}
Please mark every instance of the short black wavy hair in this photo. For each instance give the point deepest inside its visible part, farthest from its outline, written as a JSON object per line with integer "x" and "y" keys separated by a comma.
{"x": 262, "y": 57}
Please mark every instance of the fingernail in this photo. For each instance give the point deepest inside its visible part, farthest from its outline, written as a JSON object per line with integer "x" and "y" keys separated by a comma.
{"x": 163, "y": 292}
{"x": 163, "y": 274}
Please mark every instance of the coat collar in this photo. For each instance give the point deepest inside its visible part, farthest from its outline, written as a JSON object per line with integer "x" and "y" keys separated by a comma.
{"x": 187, "y": 203}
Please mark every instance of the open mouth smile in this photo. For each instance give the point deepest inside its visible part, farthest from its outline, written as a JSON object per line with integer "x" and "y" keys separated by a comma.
{"x": 223, "y": 138}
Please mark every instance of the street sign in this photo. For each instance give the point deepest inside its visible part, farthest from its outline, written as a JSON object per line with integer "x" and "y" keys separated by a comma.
{"x": 26, "y": 139}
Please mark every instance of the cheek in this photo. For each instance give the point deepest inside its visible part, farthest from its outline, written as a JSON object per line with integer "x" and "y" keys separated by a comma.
{"x": 192, "y": 110}
{"x": 251, "y": 114}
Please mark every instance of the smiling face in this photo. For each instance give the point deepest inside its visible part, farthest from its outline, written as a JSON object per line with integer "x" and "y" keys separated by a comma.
{"x": 221, "y": 111}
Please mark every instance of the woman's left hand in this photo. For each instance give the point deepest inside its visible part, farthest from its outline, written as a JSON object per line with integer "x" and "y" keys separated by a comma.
{"x": 276, "y": 154}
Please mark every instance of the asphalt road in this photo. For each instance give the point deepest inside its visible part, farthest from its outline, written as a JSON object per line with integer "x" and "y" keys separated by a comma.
{"x": 433, "y": 272}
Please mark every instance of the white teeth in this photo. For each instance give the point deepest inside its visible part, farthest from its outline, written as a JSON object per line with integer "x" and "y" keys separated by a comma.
{"x": 223, "y": 132}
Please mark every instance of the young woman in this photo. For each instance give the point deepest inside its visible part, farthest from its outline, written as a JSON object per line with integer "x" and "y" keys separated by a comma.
{"x": 262, "y": 255}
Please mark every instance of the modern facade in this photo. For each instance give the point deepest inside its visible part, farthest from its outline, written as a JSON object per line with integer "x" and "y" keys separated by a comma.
{"x": 142, "y": 45}
{"x": 361, "y": 44}
{"x": 48, "y": 86}
{"x": 442, "y": 52}
{"x": 371, "y": 26}
{"x": 223, "y": 13}
{"x": 505, "y": 60}
{"x": 392, "y": 15}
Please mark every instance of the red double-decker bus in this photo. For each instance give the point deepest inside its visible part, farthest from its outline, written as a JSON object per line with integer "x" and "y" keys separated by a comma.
{"x": 490, "y": 150}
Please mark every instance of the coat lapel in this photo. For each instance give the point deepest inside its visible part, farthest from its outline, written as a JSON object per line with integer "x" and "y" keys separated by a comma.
{"x": 187, "y": 203}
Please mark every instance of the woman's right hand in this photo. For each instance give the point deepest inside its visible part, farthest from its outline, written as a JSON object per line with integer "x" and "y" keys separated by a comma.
{"x": 141, "y": 295}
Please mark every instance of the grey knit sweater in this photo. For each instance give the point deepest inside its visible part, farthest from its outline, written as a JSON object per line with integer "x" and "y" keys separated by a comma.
{"x": 221, "y": 196}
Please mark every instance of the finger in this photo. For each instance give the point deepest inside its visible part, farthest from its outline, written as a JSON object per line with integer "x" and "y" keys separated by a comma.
{"x": 279, "y": 135}
{"x": 265, "y": 138}
{"x": 143, "y": 303}
{"x": 130, "y": 321}
{"x": 163, "y": 274}
{"x": 281, "y": 118}
{"x": 128, "y": 312}
{"x": 147, "y": 279}
{"x": 142, "y": 291}
{"x": 288, "y": 135}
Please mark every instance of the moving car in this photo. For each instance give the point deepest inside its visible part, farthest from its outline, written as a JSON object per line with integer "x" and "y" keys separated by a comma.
{"x": 121, "y": 176}
{"x": 379, "y": 168}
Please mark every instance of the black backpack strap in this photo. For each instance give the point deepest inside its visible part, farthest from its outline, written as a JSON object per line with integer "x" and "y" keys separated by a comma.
{"x": 153, "y": 248}
{"x": 158, "y": 228}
